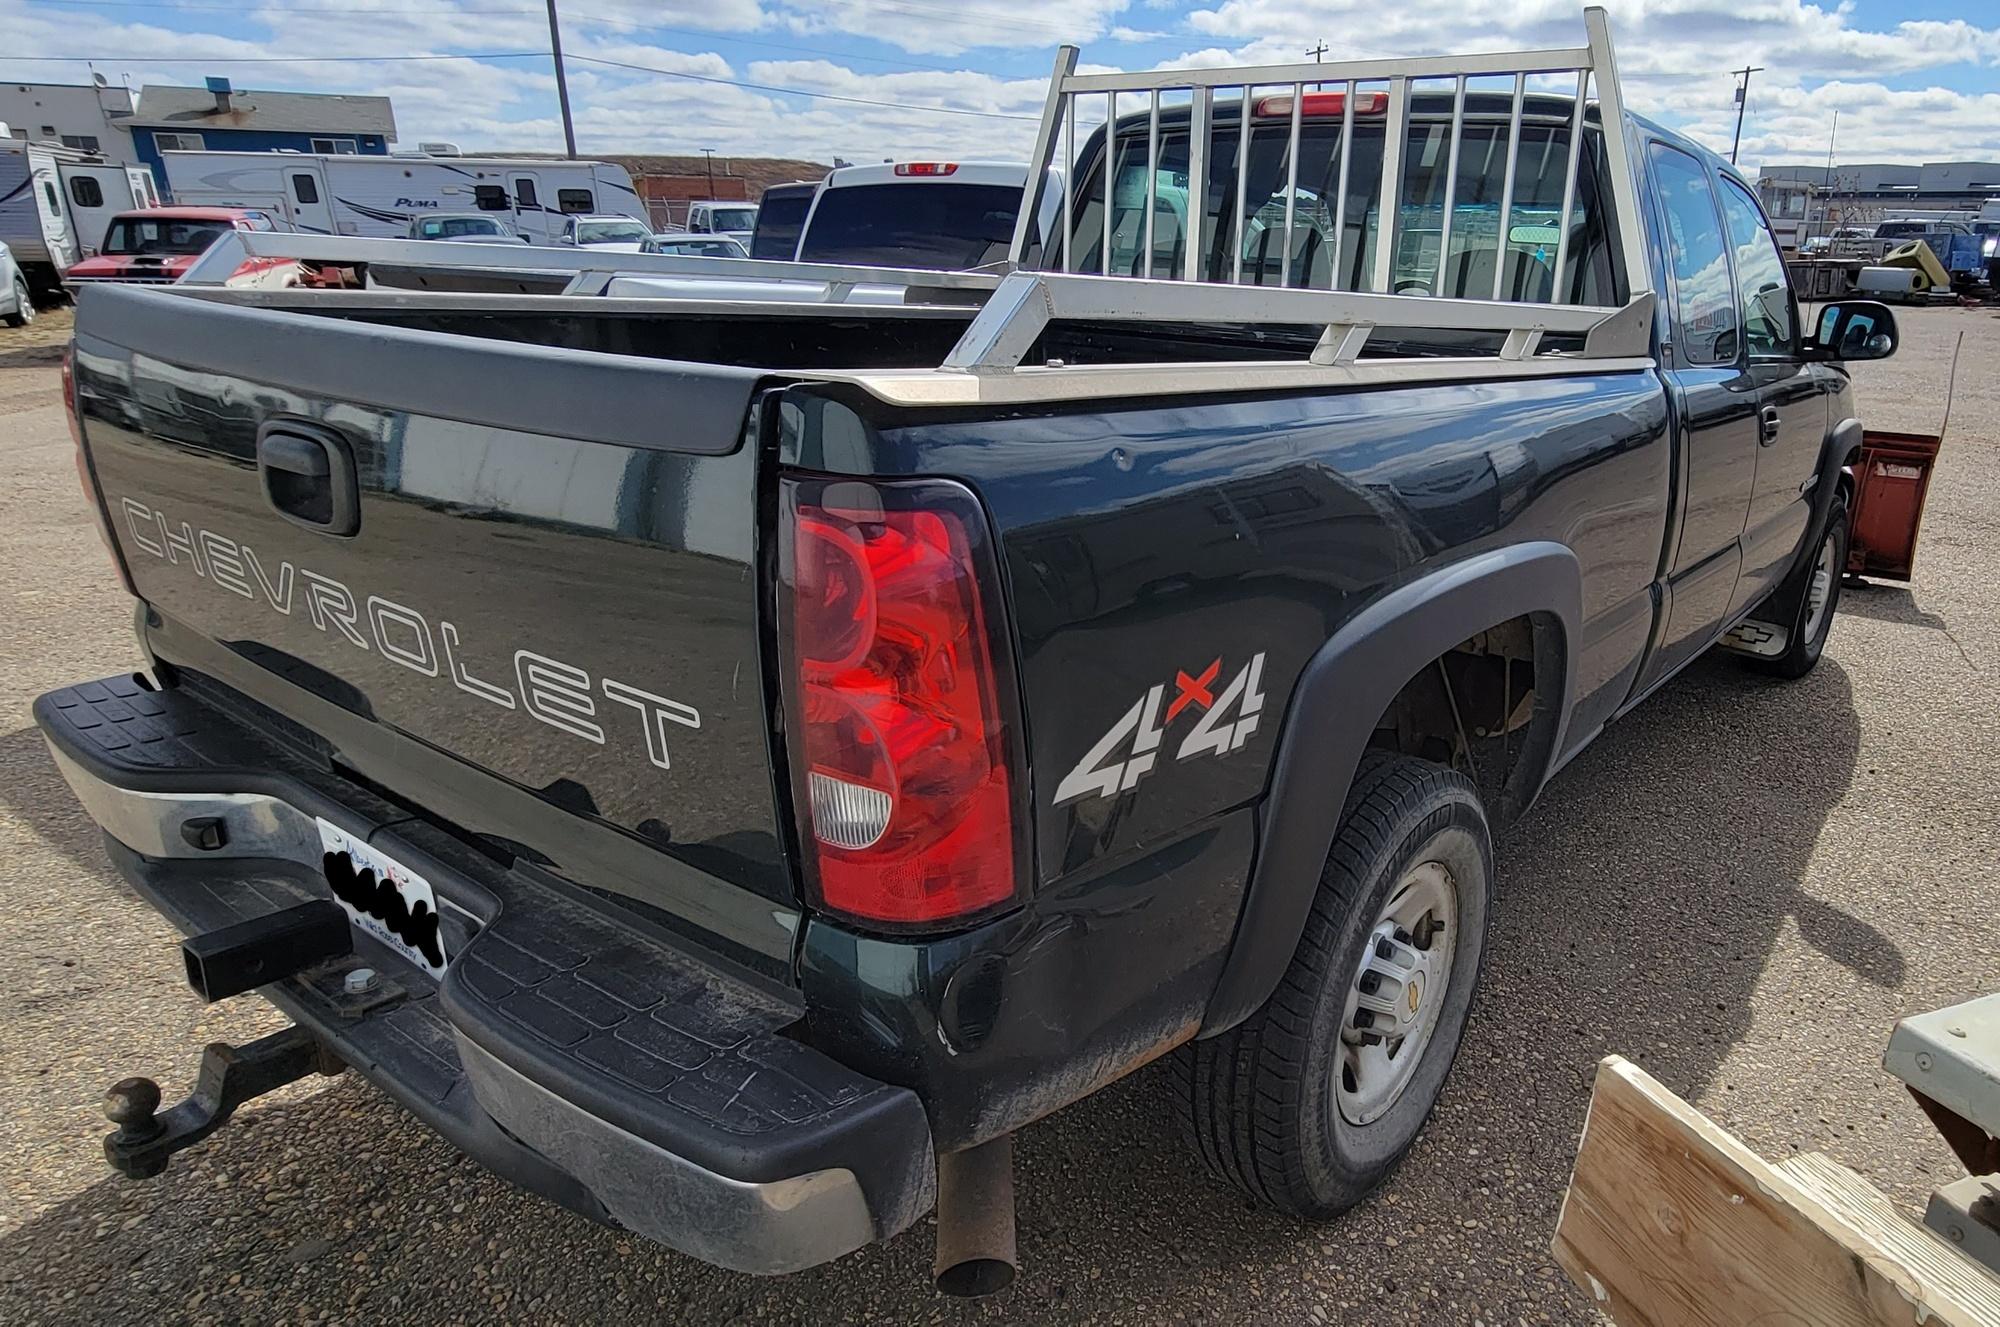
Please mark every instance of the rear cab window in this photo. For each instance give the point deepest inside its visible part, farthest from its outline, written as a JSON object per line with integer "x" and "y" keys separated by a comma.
{"x": 171, "y": 237}
{"x": 779, "y": 221}
{"x": 932, "y": 224}
{"x": 1334, "y": 247}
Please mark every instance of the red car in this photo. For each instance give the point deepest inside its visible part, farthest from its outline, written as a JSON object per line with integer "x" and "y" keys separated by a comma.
{"x": 157, "y": 245}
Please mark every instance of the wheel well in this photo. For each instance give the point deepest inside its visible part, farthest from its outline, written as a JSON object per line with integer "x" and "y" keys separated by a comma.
{"x": 1488, "y": 707}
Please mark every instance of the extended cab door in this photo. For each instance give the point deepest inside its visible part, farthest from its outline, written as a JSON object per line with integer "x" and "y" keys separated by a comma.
{"x": 1715, "y": 404}
{"x": 1791, "y": 399}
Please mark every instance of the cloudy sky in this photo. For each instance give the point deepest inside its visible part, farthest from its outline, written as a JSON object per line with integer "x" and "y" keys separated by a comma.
{"x": 1914, "y": 80}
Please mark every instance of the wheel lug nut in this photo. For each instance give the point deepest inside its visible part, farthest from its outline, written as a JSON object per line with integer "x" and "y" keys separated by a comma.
{"x": 1364, "y": 1018}
{"x": 1402, "y": 935}
{"x": 1370, "y": 983}
{"x": 1383, "y": 949}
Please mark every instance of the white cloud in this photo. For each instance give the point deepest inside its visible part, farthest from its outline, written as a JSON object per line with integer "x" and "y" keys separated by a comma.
{"x": 1675, "y": 56}
{"x": 947, "y": 27}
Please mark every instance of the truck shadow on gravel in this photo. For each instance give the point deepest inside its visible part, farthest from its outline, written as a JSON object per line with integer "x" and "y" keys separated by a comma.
{"x": 1889, "y": 603}
{"x": 1639, "y": 904}
{"x": 35, "y": 795}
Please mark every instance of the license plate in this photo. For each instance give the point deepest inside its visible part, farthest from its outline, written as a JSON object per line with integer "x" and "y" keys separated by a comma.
{"x": 384, "y": 898}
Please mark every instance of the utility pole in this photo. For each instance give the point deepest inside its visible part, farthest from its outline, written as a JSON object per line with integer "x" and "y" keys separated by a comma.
{"x": 1317, "y": 51}
{"x": 562, "y": 84}
{"x": 1742, "y": 100}
{"x": 708, "y": 154}
{"x": 1826, "y": 208}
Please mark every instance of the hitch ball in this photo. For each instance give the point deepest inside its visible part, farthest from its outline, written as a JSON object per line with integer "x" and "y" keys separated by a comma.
{"x": 133, "y": 1105}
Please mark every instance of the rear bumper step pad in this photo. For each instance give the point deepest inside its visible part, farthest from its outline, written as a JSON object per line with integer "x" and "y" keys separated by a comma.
{"x": 569, "y": 1048}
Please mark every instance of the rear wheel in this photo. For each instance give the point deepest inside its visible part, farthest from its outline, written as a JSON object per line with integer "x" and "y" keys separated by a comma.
{"x": 1821, "y": 599}
{"x": 1310, "y": 1103}
{"x": 24, "y": 307}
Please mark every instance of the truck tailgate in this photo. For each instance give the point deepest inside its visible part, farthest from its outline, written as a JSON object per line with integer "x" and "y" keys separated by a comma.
{"x": 512, "y": 585}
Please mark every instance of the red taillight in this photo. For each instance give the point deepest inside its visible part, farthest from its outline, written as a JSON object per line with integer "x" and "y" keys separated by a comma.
{"x": 926, "y": 167}
{"x": 900, "y": 699}
{"x": 1321, "y": 105}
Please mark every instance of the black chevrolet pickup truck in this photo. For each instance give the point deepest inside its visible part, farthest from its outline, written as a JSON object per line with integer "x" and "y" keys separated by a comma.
{"x": 728, "y": 764}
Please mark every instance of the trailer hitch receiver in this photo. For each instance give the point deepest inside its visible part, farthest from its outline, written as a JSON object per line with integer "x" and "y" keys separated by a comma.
{"x": 230, "y": 1076}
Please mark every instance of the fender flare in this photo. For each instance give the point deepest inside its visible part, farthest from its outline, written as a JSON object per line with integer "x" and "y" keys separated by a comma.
{"x": 1841, "y": 449}
{"x": 1342, "y": 692}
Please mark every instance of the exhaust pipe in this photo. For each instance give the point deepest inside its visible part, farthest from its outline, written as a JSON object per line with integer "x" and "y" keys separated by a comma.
{"x": 975, "y": 1220}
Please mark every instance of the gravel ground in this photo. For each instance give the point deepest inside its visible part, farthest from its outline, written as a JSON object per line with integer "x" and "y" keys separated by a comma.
{"x": 1741, "y": 887}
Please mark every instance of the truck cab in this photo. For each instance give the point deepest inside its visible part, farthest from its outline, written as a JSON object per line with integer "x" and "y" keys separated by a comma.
{"x": 736, "y": 220}
{"x": 157, "y": 245}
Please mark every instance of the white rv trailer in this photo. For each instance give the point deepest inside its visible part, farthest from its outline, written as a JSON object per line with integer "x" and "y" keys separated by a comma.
{"x": 55, "y": 203}
{"x": 33, "y": 221}
{"x": 350, "y": 194}
{"x": 96, "y": 191}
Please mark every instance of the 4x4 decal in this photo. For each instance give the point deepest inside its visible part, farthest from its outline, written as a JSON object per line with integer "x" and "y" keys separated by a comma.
{"x": 1141, "y": 730}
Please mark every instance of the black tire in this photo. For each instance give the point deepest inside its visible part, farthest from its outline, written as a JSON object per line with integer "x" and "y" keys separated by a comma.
{"x": 24, "y": 312}
{"x": 1259, "y": 1103}
{"x": 1808, "y": 637}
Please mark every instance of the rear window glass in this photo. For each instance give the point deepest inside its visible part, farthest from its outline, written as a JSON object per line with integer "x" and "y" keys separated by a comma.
{"x": 779, "y": 221}
{"x": 1334, "y": 248}
{"x": 928, "y": 225}
{"x": 131, "y": 236}
{"x": 444, "y": 228}
{"x": 611, "y": 232}
{"x": 732, "y": 218}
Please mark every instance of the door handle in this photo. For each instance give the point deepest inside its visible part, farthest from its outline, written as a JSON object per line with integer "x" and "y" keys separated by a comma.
{"x": 308, "y": 475}
{"x": 1767, "y": 425}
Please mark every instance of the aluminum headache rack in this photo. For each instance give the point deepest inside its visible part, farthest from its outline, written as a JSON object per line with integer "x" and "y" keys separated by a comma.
{"x": 1017, "y": 303}
{"x": 1013, "y": 318}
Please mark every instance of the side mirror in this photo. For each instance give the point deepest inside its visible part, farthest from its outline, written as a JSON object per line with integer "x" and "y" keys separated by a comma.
{"x": 1853, "y": 329}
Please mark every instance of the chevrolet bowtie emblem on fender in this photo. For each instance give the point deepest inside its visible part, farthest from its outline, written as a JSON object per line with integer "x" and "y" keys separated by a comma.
{"x": 1226, "y": 722}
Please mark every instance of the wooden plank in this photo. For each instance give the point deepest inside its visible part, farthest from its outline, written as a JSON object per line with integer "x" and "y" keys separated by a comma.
{"x": 1670, "y": 1220}
{"x": 1861, "y": 1206}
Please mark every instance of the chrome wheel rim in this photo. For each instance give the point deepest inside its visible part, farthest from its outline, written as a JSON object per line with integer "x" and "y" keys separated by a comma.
{"x": 1397, "y": 994}
{"x": 27, "y": 302}
{"x": 1819, "y": 594}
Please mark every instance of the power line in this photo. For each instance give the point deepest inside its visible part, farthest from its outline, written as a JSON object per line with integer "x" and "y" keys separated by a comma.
{"x": 801, "y": 92}
{"x": 636, "y": 25}
{"x": 299, "y": 9}
{"x": 539, "y": 55}
{"x": 272, "y": 59}
{"x": 988, "y": 19}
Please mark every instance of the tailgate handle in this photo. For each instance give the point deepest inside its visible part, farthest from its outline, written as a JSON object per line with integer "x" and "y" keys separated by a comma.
{"x": 308, "y": 475}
